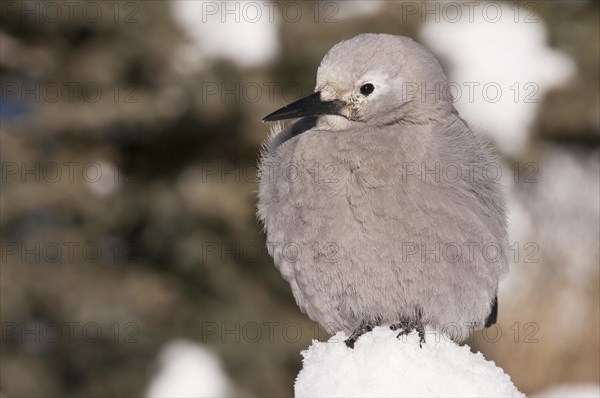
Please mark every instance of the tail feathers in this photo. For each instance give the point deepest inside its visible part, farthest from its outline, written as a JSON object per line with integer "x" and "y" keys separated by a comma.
{"x": 493, "y": 316}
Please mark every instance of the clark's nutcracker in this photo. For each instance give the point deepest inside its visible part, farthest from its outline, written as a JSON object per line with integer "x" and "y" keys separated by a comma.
{"x": 381, "y": 206}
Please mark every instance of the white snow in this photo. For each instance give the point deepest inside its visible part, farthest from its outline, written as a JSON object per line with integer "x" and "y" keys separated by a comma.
{"x": 187, "y": 369}
{"x": 502, "y": 53}
{"x": 242, "y": 32}
{"x": 570, "y": 390}
{"x": 382, "y": 365}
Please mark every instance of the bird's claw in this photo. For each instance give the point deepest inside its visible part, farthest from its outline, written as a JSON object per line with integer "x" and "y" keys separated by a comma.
{"x": 408, "y": 327}
{"x": 350, "y": 342}
{"x": 363, "y": 328}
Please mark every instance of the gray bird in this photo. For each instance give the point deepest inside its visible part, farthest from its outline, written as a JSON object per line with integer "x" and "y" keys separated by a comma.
{"x": 378, "y": 203}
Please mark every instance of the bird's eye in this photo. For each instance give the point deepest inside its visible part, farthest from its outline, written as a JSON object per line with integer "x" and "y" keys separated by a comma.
{"x": 366, "y": 89}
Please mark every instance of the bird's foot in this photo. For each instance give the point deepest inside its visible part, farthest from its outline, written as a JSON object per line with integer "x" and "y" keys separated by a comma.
{"x": 404, "y": 327}
{"x": 363, "y": 328}
{"x": 421, "y": 331}
{"x": 407, "y": 327}
{"x": 399, "y": 325}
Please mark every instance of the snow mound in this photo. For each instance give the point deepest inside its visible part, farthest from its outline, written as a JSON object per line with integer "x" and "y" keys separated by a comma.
{"x": 382, "y": 365}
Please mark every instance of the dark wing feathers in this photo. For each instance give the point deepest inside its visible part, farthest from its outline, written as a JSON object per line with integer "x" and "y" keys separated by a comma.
{"x": 493, "y": 316}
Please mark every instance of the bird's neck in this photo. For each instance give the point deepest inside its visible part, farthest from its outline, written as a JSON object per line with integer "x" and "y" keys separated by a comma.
{"x": 336, "y": 123}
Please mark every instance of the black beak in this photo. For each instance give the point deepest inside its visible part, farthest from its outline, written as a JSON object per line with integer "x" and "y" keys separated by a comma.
{"x": 307, "y": 106}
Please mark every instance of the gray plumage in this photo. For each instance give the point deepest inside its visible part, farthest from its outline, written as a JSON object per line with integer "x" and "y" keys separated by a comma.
{"x": 343, "y": 207}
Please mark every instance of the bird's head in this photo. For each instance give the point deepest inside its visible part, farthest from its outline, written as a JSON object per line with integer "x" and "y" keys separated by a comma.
{"x": 375, "y": 79}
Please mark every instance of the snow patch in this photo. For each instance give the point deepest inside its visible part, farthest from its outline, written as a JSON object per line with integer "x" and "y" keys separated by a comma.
{"x": 187, "y": 369}
{"x": 245, "y": 33}
{"x": 500, "y": 68}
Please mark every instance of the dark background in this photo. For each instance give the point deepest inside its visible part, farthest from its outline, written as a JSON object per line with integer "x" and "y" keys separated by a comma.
{"x": 129, "y": 189}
